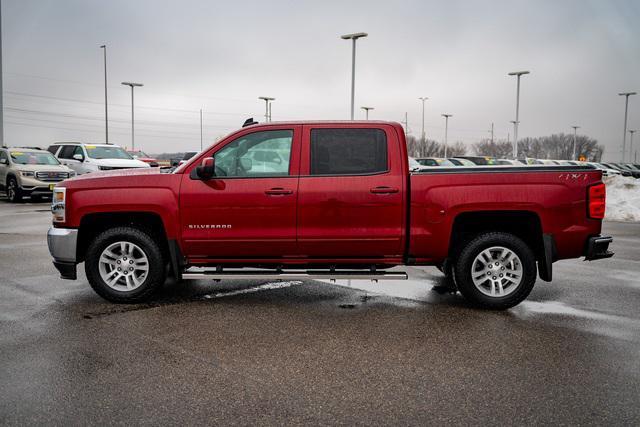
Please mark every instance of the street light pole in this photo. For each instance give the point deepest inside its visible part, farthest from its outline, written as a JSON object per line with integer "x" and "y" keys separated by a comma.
{"x": 1, "y": 90}
{"x": 491, "y": 132}
{"x": 201, "y": 129}
{"x": 106, "y": 111}
{"x": 132, "y": 85}
{"x": 267, "y": 100}
{"x": 423, "y": 98}
{"x": 353, "y": 38}
{"x": 366, "y": 109}
{"x": 446, "y": 132}
{"x": 517, "y": 123}
{"x": 575, "y": 130}
{"x": 632, "y": 158}
{"x": 626, "y": 108}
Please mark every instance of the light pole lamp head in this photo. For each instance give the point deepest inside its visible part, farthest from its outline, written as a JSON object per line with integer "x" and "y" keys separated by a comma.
{"x": 353, "y": 36}
{"x": 518, "y": 73}
{"x": 367, "y": 108}
{"x": 423, "y": 98}
{"x": 575, "y": 127}
{"x": 447, "y": 115}
{"x": 628, "y": 93}
{"x": 103, "y": 46}
{"x": 131, "y": 84}
{"x": 266, "y": 98}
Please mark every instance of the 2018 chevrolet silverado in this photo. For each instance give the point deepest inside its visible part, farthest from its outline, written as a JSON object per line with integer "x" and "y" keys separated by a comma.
{"x": 333, "y": 200}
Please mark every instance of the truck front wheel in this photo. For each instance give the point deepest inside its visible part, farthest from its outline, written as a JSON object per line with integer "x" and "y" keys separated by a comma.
{"x": 125, "y": 265}
{"x": 496, "y": 270}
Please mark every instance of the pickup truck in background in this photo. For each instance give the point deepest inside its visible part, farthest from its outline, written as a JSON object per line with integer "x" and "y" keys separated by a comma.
{"x": 329, "y": 200}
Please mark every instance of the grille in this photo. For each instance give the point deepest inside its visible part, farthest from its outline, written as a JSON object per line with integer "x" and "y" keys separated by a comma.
{"x": 52, "y": 176}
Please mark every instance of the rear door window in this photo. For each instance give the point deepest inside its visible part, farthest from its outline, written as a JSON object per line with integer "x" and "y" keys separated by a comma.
{"x": 348, "y": 152}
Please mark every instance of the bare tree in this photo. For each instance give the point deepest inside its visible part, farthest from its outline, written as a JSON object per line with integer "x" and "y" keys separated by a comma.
{"x": 557, "y": 146}
{"x": 498, "y": 148}
{"x": 431, "y": 148}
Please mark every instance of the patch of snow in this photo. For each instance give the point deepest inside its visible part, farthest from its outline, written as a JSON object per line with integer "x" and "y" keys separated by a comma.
{"x": 623, "y": 199}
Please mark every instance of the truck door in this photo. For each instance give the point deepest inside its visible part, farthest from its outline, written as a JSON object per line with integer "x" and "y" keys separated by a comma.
{"x": 351, "y": 192}
{"x": 248, "y": 210}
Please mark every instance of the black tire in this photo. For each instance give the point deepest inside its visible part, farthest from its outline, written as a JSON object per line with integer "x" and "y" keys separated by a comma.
{"x": 14, "y": 192}
{"x": 464, "y": 267}
{"x": 154, "y": 278}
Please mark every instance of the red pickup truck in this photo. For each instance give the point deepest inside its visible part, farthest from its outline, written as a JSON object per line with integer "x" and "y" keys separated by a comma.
{"x": 329, "y": 200}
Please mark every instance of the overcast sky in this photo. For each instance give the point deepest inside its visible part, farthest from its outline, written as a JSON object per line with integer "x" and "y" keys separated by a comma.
{"x": 221, "y": 55}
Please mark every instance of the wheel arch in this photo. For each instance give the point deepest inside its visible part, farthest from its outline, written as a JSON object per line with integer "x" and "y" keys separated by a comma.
{"x": 91, "y": 225}
{"x": 524, "y": 224}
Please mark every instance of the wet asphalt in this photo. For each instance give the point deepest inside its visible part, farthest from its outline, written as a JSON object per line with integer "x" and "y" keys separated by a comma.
{"x": 260, "y": 352}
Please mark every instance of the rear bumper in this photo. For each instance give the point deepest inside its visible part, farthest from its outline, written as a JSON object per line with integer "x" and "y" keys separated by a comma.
{"x": 62, "y": 244}
{"x": 598, "y": 248}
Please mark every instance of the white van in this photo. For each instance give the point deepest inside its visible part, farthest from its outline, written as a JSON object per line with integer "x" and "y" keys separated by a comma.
{"x": 85, "y": 158}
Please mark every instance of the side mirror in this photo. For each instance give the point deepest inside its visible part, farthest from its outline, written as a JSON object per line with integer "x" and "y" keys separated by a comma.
{"x": 78, "y": 157}
{"x": 207, "y": 169}
{"x": 3, "y": 161}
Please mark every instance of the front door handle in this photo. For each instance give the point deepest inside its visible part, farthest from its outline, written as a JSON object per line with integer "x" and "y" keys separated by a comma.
{"x": 384, "y": 190}
{"x": 279, "y": 191}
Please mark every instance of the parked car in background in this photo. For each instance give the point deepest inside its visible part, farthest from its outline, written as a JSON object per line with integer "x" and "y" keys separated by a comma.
{"x": 461, "y": 162}
{"x": 29, "y": 172}
{"x": 605, "y": 170}
{"x": 479, "y": 160}
{"x": 434, "y": 161}
{"x": 144, "y": 157}
{"x": 635, "y": 173}
{"x": 188, "y": 155}
{"x": 622, "y": 171}
{"x": 413, "y": 164}
{"x": 508, "y": 162}
{"x": 84, "y": 158}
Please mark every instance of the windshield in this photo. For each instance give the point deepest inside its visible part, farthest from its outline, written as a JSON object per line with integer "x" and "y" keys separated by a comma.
{"x": 31, "y": 158}
{"x": 104, "y": 152}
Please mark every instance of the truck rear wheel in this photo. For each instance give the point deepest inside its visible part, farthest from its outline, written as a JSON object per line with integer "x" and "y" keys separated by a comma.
{"x": 125, "y": 265}
{"x": 496, "y": 270}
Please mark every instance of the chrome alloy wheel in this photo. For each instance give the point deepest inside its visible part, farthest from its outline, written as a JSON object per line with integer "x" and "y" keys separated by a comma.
{"x": 497, "y": 271}
{"x": 123, "y": 266}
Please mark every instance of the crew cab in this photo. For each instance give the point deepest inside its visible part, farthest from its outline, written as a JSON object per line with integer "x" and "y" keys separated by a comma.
{"x": 334, "y": 200}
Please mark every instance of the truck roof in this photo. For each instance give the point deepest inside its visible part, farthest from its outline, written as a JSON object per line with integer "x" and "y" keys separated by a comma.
{"x": 329, "y": 122}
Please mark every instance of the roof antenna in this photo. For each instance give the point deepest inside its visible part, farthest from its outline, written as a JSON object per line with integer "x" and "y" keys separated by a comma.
{"x": 249, "y": 122}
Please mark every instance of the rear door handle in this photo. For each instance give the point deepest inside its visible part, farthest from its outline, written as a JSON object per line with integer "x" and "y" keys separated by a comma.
{"x": 278, "y": 192}
{"x": 384, "y": 190}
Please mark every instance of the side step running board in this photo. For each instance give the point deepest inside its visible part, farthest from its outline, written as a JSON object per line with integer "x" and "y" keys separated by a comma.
{"x": 196, "y": 273}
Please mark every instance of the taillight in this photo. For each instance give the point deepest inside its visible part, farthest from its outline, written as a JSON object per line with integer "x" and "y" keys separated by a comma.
{"x": 596, "y": 201}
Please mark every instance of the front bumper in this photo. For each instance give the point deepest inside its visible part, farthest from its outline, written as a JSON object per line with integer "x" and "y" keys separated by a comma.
{"x": 62, "y": 244}
{"x": 598, "y": 248}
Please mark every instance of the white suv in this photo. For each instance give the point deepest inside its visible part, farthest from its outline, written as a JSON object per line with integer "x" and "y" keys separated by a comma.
{"x": 85, "y": 158}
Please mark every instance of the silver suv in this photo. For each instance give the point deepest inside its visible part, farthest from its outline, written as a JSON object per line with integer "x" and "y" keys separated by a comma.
{"x": 30, "y": 172}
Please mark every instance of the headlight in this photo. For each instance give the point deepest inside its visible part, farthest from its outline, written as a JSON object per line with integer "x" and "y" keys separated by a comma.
{"x": 26, "y": 173}
{"x": 58, "y": 204}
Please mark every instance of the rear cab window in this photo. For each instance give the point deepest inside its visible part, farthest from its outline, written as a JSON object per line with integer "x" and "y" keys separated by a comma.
{"x": 347, "y": 151}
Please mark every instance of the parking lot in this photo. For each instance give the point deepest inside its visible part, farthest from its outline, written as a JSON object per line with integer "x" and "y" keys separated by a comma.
{"x": 239, "y": 352}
